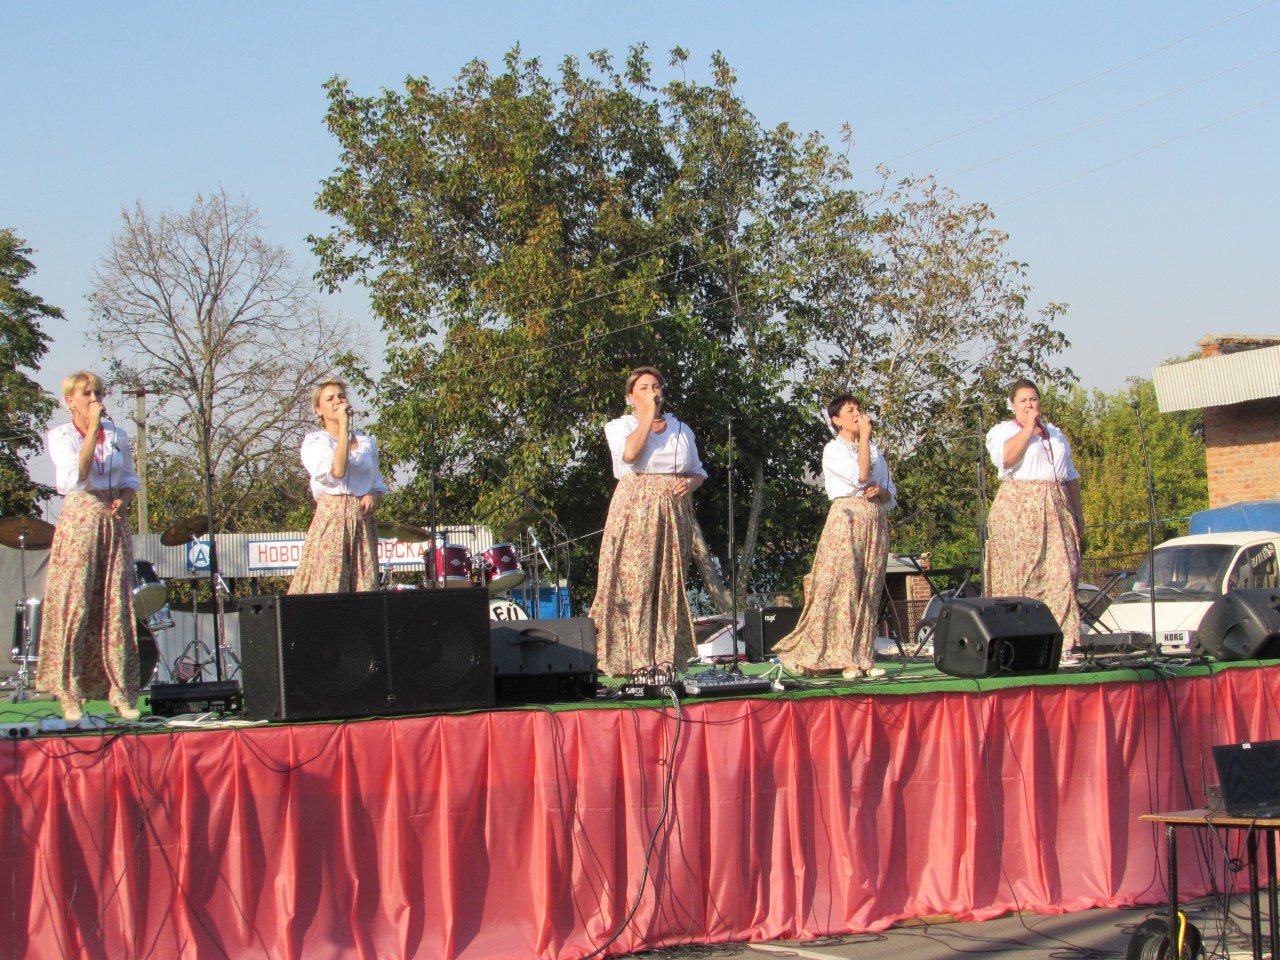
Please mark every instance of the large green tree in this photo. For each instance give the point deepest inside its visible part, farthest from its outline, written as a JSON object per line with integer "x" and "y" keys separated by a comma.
{"x": 528, "y": 237}
{"x": 1107, "y": 448}
{"x": 24, "y": 406}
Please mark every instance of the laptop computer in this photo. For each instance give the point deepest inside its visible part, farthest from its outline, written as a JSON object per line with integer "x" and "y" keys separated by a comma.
{"x": 1250, "y": 778}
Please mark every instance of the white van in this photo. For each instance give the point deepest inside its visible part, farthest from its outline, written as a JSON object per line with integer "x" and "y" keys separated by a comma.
{"x": 1190, "y": 573}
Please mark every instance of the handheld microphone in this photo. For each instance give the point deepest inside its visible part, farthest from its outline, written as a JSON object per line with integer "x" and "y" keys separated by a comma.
{"x": 104, "y": 415}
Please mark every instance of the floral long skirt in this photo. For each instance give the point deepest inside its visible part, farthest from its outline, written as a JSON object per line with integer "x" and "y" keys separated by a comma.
{"x": 89, "y": 642}
{"x": 837, "y": 628}
{"x": 1033, "y": 550}
{"x": 340, "y": 554}
{"x": 640, "y": 609}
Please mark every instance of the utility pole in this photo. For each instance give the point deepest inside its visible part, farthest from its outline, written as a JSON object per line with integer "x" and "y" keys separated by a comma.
{"x": 140, "y": 455}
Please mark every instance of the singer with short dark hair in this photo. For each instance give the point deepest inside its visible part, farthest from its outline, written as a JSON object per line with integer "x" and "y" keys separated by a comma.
{"x": 837, "y": 629}
{"x": 1036, "y": 520}
{"x": 89, "y": 647}
{"x": 641, "y": 611}
{"x": 340, "y": 554}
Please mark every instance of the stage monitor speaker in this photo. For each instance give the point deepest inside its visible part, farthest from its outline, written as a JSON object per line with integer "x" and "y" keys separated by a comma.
{"x": 996, "y": 636}
{"x": 765, "y": 626}
{"x": 330, "y": 656}
{"x": 1241, "y": 625}
{"x": 544, "y": 661}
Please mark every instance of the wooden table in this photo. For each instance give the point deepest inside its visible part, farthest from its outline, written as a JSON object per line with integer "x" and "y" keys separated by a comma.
{"x": 1206, "y": 819}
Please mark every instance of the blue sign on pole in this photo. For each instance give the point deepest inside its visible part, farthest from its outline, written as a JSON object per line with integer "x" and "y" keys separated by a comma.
{"x": 198, "y": 555}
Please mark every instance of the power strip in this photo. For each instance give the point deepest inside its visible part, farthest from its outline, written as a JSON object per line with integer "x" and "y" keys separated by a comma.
{"x": 18, "y": 731}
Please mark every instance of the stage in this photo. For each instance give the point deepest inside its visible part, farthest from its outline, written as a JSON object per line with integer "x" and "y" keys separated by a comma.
{"x": 531, "y": 832}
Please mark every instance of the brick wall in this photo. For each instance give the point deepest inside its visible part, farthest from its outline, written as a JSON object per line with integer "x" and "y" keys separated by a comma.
{"x": 1242, "y": 451}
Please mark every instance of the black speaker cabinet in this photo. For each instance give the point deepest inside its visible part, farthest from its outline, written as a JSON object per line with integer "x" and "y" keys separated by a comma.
{"x": 995, "y": 636}
{"x": 325, "y": 656}
{"x": 1241, "y": 625}
{"x": 544, "y": 661}
{"x": 765, "y": 626}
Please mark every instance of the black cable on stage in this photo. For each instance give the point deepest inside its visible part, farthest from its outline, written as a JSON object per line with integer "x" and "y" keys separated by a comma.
{"x": 144, "y": 825}
{"x": 261, "y": 756}
{"x": 667, "y": 784}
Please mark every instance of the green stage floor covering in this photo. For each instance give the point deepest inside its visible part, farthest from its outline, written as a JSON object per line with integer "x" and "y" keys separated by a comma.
{"x": 902, "y": 679}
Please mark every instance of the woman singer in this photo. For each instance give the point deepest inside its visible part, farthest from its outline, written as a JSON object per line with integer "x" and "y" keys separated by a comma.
{"x": 640, "y": 609}
{"x": 1035, "y": 523}
{"x": 837, "y": 629}
{"x": 89, "y": 648}
{"x": 340, "y": 554}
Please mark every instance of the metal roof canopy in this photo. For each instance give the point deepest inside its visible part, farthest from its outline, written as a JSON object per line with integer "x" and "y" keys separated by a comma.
{"x": 1218, "y": 381}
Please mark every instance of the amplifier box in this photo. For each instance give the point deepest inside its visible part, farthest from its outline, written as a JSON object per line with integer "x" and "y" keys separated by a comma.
{"x": 544, "y": 661}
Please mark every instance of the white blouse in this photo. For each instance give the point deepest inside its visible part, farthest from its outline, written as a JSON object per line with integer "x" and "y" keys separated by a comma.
{"x": 674, "y": 450}
{"x": 1043, "y": 459}
{"x": 840, "y": 472}
{"x": 111, "y": 468}
{"x": 362, "y": 475}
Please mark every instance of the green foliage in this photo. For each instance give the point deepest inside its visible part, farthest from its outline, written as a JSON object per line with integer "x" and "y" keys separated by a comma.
{"x": 1107, "y": 449}
{"x": 24, "y": 406}
{"x": 528, "y": 237}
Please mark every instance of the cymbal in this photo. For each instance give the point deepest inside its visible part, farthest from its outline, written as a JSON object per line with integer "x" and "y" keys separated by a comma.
{"x": 31, "y": 532}
{"x": 405, "y": 532}
{"x": 181, "y": 531}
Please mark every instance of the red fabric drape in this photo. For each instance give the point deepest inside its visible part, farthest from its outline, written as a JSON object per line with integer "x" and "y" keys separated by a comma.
{"x": 524, "y": 833}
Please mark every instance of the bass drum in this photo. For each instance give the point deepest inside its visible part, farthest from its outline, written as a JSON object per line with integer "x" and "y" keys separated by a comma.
{"x": 506, "y": 610}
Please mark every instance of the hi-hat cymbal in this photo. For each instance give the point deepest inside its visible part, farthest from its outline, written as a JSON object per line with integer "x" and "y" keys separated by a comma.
{"x": 404, "y": 532}
{"x": 30, "y": 532}
{"x": 181, "y": 531}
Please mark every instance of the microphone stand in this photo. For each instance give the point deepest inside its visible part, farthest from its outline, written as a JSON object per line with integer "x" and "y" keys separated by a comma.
{"x": 733, "y": 563}
{"x": 1151, "y": 526}
{"x": 982, "y": 496}
{"x": 432, "y": 564}
{"x": 215, "y": 576}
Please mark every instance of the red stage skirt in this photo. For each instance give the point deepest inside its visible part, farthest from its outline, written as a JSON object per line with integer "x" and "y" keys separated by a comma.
{"x": 526, "y": 833}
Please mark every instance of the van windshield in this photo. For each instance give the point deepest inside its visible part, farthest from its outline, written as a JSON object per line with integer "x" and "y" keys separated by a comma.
{"x": 1193, "y": 571}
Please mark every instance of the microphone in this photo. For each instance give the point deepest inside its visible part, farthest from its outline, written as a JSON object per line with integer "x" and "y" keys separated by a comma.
{"x": 104, "y": 415}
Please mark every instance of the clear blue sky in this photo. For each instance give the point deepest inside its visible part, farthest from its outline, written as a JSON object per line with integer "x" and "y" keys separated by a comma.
{"x": 1155, "y": 225}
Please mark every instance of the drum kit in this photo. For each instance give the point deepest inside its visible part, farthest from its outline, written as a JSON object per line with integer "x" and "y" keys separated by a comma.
{"x": 450, "y": 565}
{"x": 150, "y": 600}
{"x": 498, "y": 568}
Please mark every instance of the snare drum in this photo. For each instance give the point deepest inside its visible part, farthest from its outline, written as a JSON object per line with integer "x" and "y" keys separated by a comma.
{"x": 453, "y": 565}
{"x": 500, "y": 567}
{"x": 26, "y": 626}
{"x": 151, "y": 593}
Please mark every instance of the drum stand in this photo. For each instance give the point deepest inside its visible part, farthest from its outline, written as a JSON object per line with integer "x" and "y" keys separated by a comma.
{"x": 203, "y": 656}
{"x": 23, "y": 685}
